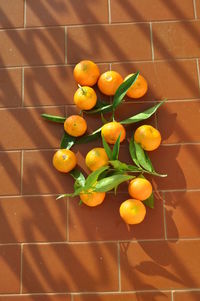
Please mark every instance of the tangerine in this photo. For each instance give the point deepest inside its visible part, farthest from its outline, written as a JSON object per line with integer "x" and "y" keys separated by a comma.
{"x": 109, "y": 82}
{"x": 64, "y": 160}
{"x": 86, "y": 73}
{"x": 111, "y": 131}
{"x": 139, "y": 88}
{"x": 75, "y": 125}
{"x": 132, "y": 211}
{"x": 148, "y": 137}
{"x": 140, "y": 189}
{"x": 85, "y": 98}
{"x": 92, "y": 199}
{"x": 96, "y": 158}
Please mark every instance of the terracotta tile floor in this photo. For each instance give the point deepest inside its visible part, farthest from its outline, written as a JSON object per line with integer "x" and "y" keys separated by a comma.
{"x": 56, "y": 250}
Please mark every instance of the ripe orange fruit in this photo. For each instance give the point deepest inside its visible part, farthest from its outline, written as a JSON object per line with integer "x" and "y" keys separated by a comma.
{"x": 96, "y": 158}
{"x": 75, "y": 125}
{"x": 85, "y": 98}
{"x": 92, "y": 199}
{"x": 140, "y": 189}
{"x": 64, "y": 160}
{"x": 139, "y": 88}
{"x": 111, "y": 131}
{"x": 109, "y": 82}
{"x": 132, "y": 211}
{"x": 148, "y": 137}
{"x": 86, "y": 73}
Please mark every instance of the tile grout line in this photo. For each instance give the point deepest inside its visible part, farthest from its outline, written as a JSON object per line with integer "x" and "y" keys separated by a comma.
{"x": 151, "y": 40}
{"x": 71, "y": 104}
{"x": 22, "y": 87}
{"x": 198, "y": 72}
{"x": 98, "y": 242}
{"x": 99, "y": 24}
{"x": 195, "y": 9}
{"x": 24, "y": 13}
{"x": 102, "y": 292}
{"x": 67, "y": 219}
{"x": 172, "y": 295}
{"x": 119, "y": 266}
{"x": 164, "y": 217}
{"x": 65, "y": 44}
{"x": 22, "y": 169}
{"x": 109, "y": 12}
{"x": 72, "y": 297}
{"x": 21, "y": 267}
{"x": 137, "y": 61}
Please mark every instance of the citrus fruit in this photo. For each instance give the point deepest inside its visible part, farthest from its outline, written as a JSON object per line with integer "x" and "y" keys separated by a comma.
{"x": 86, "y": 73}
{"x": 96, "y": 158}
{"x": 75, "y": 125}
{"x": 132, "y": 211}
{"x": 140, "y": 189}
{"x": 148, "y": 137}
{"x": 64, "y": 160}
{"x": 92, "y": 199}
{"x": 111, "y": 131}
{"x": 109, "y": 82}
{"x": 85, "y": 98}
{"x": 139, "y": 88}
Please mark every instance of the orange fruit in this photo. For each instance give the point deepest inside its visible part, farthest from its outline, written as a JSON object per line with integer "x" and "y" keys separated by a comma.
{"x": 140, "y": 189}
{"x": 132, "y": 211}
{"x": 111, "y": 131}
{"x": 85, "y": 98}
{"x": 75, "y": 125}
{"x": 148, "y": 137}
{"x": 64, "y": 160}
{"x": 109, "y": 82}
{"x": 86, "y": 73}
{"x": 92, "y": 199}
{"x": 96, "y": 158}
{"x": 139, "y": 88}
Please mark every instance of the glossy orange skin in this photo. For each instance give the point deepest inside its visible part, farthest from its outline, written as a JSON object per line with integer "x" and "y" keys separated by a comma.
{"x": 140, "y": 189}
{"x": 96, "y": 158}
{"x": 64, "y": 160}
{"x": 85, "y": 98}
{"x": 92, "y": 199}
{"x": 139, "y": 88}
{"x": 111, "y": 131}
{"x": 86, "y": 73}
{"x": 109, "y": 82}
{"x": 148, "y": 137}
{"x": 132, "y": 211}
{"x": 75, "y": 125}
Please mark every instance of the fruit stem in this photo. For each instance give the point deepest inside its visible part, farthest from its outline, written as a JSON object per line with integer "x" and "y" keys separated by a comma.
{"x": 83, "y": 91}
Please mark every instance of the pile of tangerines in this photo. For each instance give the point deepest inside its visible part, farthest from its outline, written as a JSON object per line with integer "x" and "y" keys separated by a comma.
{"x": 107, "y": 172}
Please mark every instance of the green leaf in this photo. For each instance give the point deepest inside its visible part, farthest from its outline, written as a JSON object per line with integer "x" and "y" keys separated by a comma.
{"x": 104, "y": 121}
{"x": 150, "y": 201}
{"x": 87, "y": 138}
{"x": 53, "y": 118}
{"x": 107, "y": 148}
{"x": 75, "y": 193}
{"x": 118, "y": 165}
{"x": 123, "y": 88}
{"x": 111, "y": 182}
{"x": 140, "y": 155}
{"x": 149, "y": 162}
{"x": 93, "y": 177}
{"x": 142, "y": 116}
{"x": 115, "y": 152}
{"x": 101, "y": 107}
{"x": 133, "y": 152}
{"x": 79, "y": 178}
{"x": 67, "y": 141}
